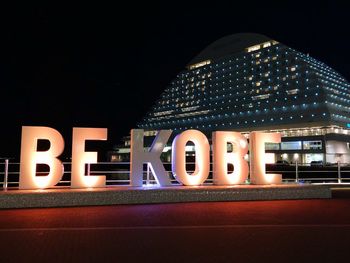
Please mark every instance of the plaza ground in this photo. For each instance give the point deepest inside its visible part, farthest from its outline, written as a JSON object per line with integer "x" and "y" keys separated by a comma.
{"x": 248, "y": 231}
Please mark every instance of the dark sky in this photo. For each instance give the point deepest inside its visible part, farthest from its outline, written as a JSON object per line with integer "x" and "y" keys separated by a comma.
{"x": 95, "y": 65}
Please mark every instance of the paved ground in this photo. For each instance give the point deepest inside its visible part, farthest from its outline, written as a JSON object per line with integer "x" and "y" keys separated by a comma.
{"x": 251, "y": 231}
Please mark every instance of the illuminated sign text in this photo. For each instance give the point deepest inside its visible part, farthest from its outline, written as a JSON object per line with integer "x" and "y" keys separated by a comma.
{"x": 30, "y": 157}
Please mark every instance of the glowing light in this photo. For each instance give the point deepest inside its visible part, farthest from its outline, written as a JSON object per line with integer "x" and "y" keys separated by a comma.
{"x": 246, "y": 157}
{"x": 269, "y": 158}
{"x": 295, "y": 157}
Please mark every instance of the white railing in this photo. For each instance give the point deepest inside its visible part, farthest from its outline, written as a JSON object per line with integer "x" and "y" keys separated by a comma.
{"x": 118, "y": 173}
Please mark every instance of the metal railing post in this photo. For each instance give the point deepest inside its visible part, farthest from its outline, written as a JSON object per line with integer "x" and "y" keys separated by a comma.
{"x": 6, "y": 174}
{"x": 296, "y": 172}
{"x": 147, "y": 178}
{"x": 339, "y": 173}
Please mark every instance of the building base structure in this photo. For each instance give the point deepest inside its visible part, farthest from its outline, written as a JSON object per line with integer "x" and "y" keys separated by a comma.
{"x": 65, "y": 197}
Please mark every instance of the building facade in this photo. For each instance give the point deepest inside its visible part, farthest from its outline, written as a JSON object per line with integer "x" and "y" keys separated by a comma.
{"x": 249, "y": 82}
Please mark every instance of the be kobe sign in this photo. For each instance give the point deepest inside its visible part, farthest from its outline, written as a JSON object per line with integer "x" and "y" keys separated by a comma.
{"x": 30, "y": 157}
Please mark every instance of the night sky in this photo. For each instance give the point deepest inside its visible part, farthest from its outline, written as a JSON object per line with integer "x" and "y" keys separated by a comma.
{"x": 95, "y": 65}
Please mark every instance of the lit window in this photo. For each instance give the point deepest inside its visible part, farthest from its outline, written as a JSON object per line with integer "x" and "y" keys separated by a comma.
{"x": 296, "y": 145}
{"x": 312, "y": 145}
{"x": 261, "y": 97}
{"x": 199, "y": 64}
{"x": 267, "y": 44}
{"x": 292, "y": 91}
{"x": 272, "y": 146}
{"x": 253, "y": 48}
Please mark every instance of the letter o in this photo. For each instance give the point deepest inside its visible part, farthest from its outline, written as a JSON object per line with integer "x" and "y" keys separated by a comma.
{"x": 202, "y": 161}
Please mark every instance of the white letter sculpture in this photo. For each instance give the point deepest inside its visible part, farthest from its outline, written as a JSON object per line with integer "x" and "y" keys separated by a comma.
{"x": 202, "y": 162}
{"x": 80, "y": 157}
{"x": 257, "y": 158}
{"x": 30, "y": 157}
{"x": 138, "y": 157}
{"x": 221, "y": 158}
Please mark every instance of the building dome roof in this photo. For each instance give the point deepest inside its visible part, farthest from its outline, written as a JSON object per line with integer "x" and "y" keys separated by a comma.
{"x": 229, "y": 45}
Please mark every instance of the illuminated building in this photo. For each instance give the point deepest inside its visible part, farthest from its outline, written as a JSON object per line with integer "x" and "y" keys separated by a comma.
{"x": 249, "y": 82}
